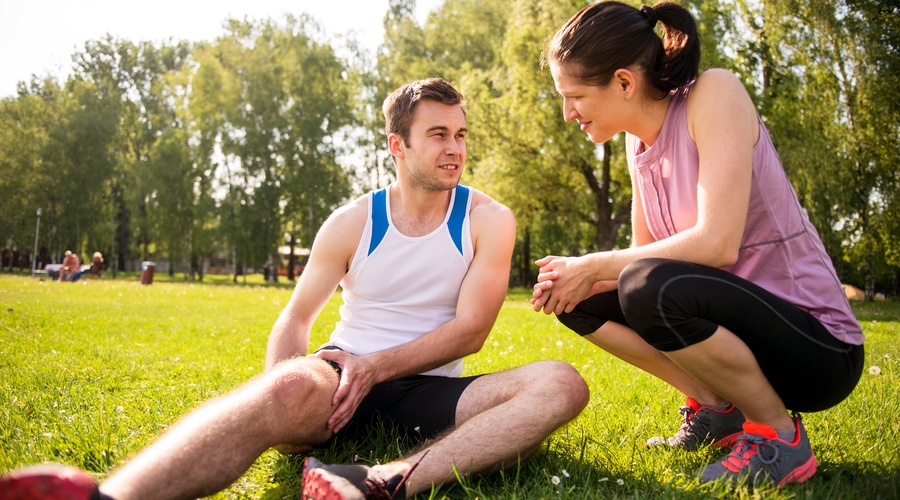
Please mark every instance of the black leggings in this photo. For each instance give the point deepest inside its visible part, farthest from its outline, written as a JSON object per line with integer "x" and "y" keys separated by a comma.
{"x": 673, "y": 304}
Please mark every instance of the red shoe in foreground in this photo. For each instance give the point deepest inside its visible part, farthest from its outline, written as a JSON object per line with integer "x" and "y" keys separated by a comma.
{"x": 350, "y": 482}
{"x": 49, "y": 482}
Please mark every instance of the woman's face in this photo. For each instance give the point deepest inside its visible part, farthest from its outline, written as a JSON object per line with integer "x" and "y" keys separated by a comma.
{"x": 598, "y": 110}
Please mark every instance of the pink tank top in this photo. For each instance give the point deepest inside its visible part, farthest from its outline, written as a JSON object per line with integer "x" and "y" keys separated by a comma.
{"x": 780, "y": 249}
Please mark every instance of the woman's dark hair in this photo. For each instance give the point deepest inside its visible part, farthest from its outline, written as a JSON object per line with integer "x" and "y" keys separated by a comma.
{"x": 606, "y": 36}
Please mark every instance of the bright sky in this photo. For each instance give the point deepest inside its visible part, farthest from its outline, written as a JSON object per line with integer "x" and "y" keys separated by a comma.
{"x": 40, "y": 36}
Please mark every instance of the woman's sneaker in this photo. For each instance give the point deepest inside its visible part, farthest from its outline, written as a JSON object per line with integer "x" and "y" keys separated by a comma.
{"x": 702, "y": 425}
{"x": 759, "y": 456}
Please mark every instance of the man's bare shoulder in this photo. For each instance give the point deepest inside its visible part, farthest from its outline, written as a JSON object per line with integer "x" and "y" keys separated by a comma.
{"x": 483, "y": 206}
{"x": 342, "y": 229}
{"x": 493, "y": 223}
{"x": 350, "y": 214}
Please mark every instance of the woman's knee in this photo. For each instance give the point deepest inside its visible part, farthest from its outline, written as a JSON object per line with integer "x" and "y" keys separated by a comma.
{"x": 593, "y": 312}
{"x": 641, "y": 280}
{"x": 645, "y": 289}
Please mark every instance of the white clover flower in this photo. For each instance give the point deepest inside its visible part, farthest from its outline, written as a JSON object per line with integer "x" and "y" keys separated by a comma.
{"x": 416, "y": 428}
{"x": 603, "y": 480}
{"x": 620, "y": 482}
{"x": 565, "y": 473}
{"x": 874, "y": 370}
{"x": 555, "y": 480}
{"x": 559, "y": 343}
{"x": 120, "y": 409}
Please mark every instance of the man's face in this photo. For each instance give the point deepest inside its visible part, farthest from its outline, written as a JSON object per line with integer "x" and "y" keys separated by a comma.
{"x": 436, "y": 152}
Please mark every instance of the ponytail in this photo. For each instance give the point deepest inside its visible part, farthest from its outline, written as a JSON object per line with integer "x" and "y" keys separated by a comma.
{"x": 606, "y": 36}
{"x": 681, "y": 47}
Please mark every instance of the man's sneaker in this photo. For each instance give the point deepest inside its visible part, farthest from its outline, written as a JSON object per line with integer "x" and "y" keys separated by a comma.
{"x": 702, "y": 425}
{"x": 50, "y": 482}
{"x": 759, "y": 456}
{"x": 350, "y": 482}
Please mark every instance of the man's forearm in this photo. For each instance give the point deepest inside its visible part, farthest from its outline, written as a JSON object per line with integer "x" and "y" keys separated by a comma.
{"x": 443, "y": 345}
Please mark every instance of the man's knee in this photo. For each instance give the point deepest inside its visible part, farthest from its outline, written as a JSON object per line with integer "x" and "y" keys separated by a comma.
{"x": 561, "y": 383}
{"x": 299, "y": 392}
{"x": 301, "y": 382}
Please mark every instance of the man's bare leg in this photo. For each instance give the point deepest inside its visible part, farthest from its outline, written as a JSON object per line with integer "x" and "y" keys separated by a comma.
{"x": 501, "y": 417}
{"x": 214, "y": 445}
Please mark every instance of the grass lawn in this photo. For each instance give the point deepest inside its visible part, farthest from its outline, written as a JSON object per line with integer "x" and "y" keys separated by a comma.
{"x": 91, "y": 372}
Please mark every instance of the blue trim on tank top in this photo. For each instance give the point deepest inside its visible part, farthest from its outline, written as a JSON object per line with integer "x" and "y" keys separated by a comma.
{"x": 458, "y": 215}
{"x": 379, "y": 218}
{"x": 454, "y": 223}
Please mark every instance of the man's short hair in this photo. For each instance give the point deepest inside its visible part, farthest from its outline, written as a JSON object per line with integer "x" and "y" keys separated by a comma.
{"x": 399, "y": 106}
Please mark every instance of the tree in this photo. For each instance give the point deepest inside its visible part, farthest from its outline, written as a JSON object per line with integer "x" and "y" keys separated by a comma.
{"x": 25, "y": 124}
{"x": 134, "y": 75}
{"x": 275, "y": 106}
{"x": 827, "y": 92}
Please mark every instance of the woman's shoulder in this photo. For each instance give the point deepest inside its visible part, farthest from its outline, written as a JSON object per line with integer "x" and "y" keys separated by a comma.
{"x": 718, "y": 91}
{"x": 718, "y": 83}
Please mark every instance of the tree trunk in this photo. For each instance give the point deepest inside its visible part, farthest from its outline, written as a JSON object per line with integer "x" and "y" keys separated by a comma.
{"x": 292, "y": 259}
{"x": 525, "y": 272}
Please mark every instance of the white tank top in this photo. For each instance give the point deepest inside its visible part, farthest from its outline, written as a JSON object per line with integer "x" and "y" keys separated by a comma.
{"x": 398, "y": 287}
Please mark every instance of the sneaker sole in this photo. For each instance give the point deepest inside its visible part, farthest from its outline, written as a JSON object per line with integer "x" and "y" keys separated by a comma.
{"x": 663, "y": 442}
{"x": 318, "y": 484}
{"x": 802, "y": 473}
{"x": 315, "y": 487}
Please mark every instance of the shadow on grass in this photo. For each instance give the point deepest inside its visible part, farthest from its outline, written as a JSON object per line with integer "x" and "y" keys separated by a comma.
{"x": 862, "y": 479}
{"x": 553, "y": 472}
{"x": 559, "y": 470}
{"x": 877, "y": 311}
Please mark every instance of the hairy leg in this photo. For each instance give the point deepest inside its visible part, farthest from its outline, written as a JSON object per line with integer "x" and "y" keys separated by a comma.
{"x": 500, "y": 418}
{"x": 208, "y": 449}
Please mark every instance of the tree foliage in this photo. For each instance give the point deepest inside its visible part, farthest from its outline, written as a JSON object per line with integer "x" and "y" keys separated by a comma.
{"x": 227, "y": 149}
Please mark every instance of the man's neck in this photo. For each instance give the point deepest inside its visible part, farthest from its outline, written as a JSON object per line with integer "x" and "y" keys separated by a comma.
{"x": 417, "y": 212}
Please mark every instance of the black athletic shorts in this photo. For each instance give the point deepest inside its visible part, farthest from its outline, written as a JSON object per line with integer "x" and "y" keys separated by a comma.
{"x": 673, "y": 304}
{"x": 418, "y": 406}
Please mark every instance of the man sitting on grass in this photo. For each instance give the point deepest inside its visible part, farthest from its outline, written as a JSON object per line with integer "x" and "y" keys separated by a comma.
{"x": 423, "y": 265}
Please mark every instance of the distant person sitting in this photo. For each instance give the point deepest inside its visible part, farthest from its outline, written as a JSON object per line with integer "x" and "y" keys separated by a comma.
{"x": 97, "y": 264}
{"x": 71, "y": 267}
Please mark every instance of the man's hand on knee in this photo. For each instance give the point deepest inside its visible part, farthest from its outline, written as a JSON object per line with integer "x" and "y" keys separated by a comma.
{"x": 358, "y": 375}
